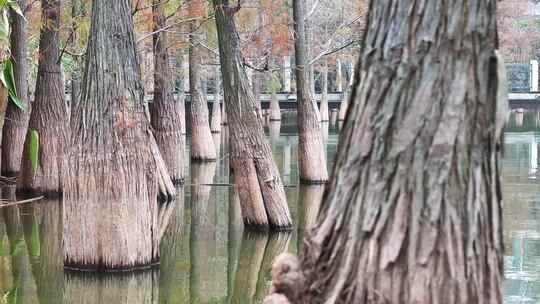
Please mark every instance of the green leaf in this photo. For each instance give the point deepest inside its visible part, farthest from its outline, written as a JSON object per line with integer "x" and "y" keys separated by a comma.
{"x": 35, "y": 240}
{"x": 15, "y": 7}
{"x": 34, "y": 150}
{"x": 18, "y": 248}
{"x": 8, "y": 80}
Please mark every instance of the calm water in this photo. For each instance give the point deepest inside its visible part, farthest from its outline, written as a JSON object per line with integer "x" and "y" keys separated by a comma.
{"x": 207, "y": 257}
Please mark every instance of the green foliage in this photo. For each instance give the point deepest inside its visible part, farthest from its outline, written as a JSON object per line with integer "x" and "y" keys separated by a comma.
{"x": 18, "y": 248}
{"x": 35, "y": 240}
{"x": 8, "y": 80}
{"x": 34, "y": 150}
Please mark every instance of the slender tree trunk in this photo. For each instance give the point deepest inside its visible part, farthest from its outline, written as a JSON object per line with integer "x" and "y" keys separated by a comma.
{"x": 114, "y": 170}
{"x": 413, "y": 213}
{"x": 216, "y": 109}
{"x": 344, "y": 106}
{"x": 259, "y": 185}
{"x": 257, "y": 92}
{"x": 334, "y": 117}
{"x": 16, "y": 124}
{"x": 274, "y": 111}
{"x": 202, "y": 146}
{"x": 166, "y": 111}
{"x": 324, "y": 94}
{"x": 49, "y": 117}
{"x": 311, "y": 156}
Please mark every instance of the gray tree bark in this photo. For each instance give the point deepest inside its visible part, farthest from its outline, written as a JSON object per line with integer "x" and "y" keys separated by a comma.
{"x": 16, "y": 120}
{"x": 114, "y": 171}
{"x": 257, "y": 178}
{"x": 166, "y": 112}
{"x": 311, "y": 156}
{"x": 324, "y": 94}
{"x": 49, "y": 117}
{"x": 413, "y": 212}
{"x": 202, "y": 145}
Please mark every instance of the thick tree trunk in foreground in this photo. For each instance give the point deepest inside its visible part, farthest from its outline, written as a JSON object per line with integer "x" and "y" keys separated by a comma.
{"x": 259, "y": 185}
{"x": 16, "y": 120}
{"x": 413, "y": 213}
{"x": 324, "y": 95}
{"x": 202, "y": 146}
{"x": 49, "y": 117}
{"x": 77, "y": 13}
{"x": 311, "y": 156}
{"x": 114, "y": 170}
{"x": 166, "y": 112}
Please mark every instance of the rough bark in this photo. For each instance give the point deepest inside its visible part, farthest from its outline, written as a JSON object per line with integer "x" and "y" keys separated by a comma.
{"x": 16, "y": 120}
{"x": 202, "y": 146}
{"x": 324, "y": 94}
{"x": 114, "y": 170}
{"x": 413, "y": 212}
{"x": 260, "y": 188}
{"x": 166, "y": 111}
{"x": 311, "y": 156}
{"x": 49, "y": 117}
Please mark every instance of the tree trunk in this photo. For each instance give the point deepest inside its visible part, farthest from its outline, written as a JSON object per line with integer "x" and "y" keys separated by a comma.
{"x": 77, "y": 12}
{"x": 49, "y": 117}
{"x": 344, "y": 106}
{"x": 216, "y": 109}
{"x": 202, "y": 146}
{"x": 311, "y": 156}
{"x": 166, "y": 111}
{"x": 324, "y": 94}
{"x": 334, "y": 117}
{"x": 16, "y": 124}
{"x": 257, "y": 92}
{"x": 259, "y": 185}
{"x": 114, "y": 170}
{"x": 224, "y": 120}
{"x": 413, "y": 213}
{"x": 3, "y": 108}
{"x": 275, "y": 111}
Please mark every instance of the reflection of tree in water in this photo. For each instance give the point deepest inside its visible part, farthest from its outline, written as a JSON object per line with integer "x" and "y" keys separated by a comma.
{"x": 43, "y": 234}
{"x": 135, "y": 287}
{"x": 207, "y": 282}
{"x": 170, "y": 249}
{"x": 309, "y": 201}
{"x": 22, "y": 288}
{"x": 252, "y": 278}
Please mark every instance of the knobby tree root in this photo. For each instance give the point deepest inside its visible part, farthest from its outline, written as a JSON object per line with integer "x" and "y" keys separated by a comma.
{"x": 288, "y": 281}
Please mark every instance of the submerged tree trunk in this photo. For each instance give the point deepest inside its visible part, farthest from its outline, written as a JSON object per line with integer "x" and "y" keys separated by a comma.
{"x": 49, "y": 117}
{"x": 311, "y": 156}
{"x": 344, "y": 106}
{"x": 114, "y": 170}
{"x": 202, "y": 145}
{"x": 274, "y": 111}
{"x": 259, "y": 185}
{"x": 324, "y": 93}
{"x": 16, "y": 120}
{"x": 166, "y": 111}
{"x": 413, "y": 213}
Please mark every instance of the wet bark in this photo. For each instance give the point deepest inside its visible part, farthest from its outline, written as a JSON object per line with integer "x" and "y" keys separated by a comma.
{"x": 49, "y": 117}
{"x": 311, "y": 156}
{"x": 202, "y": 146}
{"x": 166, "y": 112}
{"x": 413, "y": 212}
{"x": 114, "y": 170}
{"x": 324, "y": 94}
{"x": 16, "y": 120}
{"x": 257, "y": 178}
